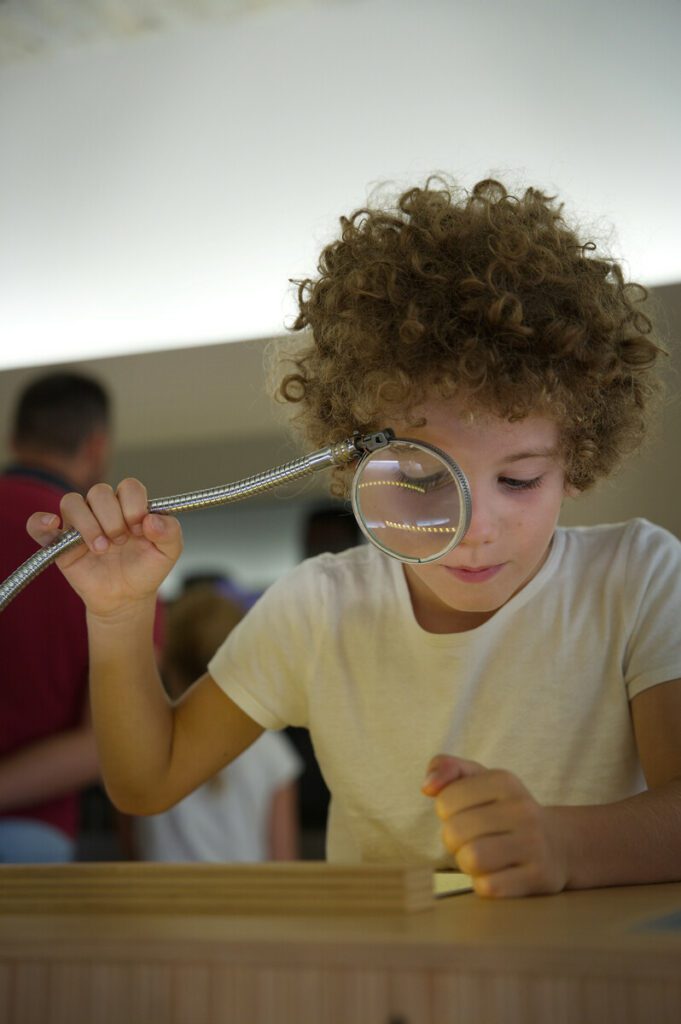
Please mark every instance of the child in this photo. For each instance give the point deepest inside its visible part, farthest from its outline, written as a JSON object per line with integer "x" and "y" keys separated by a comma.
{"x": 533, "y": 674}
{"x": 248, "y": 811}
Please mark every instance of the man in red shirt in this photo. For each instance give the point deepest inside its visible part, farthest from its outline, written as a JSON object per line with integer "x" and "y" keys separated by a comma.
{"x": 61, "y": 443}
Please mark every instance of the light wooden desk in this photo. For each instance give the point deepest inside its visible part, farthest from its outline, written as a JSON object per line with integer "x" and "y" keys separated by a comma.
{"x": 576, "y": 958}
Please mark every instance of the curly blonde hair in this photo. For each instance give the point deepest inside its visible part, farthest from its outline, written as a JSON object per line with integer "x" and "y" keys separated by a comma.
{"x": 482, "y": 295}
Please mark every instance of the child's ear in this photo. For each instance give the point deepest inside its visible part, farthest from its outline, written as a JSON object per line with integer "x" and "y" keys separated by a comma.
{"x": 570, "y": 491}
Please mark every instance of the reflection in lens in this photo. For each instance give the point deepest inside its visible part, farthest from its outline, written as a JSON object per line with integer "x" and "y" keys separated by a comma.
{"x": 409, "y": 500}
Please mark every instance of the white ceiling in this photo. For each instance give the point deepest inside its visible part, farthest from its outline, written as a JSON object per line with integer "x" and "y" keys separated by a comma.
{"x": 168, "y": 166}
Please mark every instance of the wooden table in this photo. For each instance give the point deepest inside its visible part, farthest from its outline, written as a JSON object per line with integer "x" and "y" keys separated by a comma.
{"x": 577, "y": 958}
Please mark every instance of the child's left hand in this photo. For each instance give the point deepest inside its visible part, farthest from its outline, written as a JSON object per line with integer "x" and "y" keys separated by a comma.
{"x": 499, "y": 834}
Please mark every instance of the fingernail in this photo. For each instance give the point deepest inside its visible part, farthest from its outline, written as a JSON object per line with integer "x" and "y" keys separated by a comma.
{"x": 46, "y": 520}
{"x": 157, "y": 522}
{"x": 430, "y": 780}
{"x": 100, "y": 544}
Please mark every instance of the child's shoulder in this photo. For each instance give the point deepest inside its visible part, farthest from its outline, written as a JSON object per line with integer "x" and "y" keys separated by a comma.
{"x": 326, "y": 584}
{"x": 636, "y": 544}
{"x": 359, "y": 568}
{"x": 632, "y": 532}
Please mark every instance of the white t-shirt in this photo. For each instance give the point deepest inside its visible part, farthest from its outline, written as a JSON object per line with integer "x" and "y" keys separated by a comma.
{"x": 226, "y": 819}
{"x": 541, "y": 689}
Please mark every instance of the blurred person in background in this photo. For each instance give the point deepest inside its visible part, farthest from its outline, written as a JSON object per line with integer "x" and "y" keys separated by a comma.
{"x": 60, "y": 440}
{"x": 248, "y": 811}
{"x": 330, "y": 528}
{"x": 244, "y": 597}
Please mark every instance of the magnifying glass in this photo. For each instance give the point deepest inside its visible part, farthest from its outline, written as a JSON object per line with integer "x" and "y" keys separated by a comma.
{"x": 411, "y": 500}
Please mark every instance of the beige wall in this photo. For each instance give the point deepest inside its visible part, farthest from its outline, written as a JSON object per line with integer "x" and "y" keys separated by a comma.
{"x": 650, "y": 484}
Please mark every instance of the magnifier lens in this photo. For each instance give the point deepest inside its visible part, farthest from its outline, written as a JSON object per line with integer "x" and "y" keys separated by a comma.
{"x": 409, "y": 501}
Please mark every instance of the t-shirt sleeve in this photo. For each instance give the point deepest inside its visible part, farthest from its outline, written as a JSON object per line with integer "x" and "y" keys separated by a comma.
{"x": 653, "y": 603}
{"x": 265, "y": 663}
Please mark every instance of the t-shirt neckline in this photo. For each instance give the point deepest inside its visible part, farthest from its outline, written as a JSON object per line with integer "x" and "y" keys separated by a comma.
{"x": 510, "y": 608}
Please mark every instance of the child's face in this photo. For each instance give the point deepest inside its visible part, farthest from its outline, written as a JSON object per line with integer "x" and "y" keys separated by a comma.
{"x": 517, "y": 486}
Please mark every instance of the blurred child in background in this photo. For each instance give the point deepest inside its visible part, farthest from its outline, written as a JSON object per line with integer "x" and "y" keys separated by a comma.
{"x": 248, "y": 811}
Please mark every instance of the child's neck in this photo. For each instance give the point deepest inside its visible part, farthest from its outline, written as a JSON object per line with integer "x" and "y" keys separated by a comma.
{"x": 435, "y": 617}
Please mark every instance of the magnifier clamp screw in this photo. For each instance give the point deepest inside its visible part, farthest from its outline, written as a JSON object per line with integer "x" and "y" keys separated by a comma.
{"x": 373, "y": 442}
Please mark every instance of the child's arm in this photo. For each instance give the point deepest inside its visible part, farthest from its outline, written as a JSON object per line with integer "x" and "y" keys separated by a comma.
{"x": 152, "y": 753}
{"x": 513, "y": 846}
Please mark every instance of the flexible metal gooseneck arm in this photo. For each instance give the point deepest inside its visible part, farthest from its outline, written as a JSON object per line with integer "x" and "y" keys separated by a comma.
{"x": 334, "y": 455}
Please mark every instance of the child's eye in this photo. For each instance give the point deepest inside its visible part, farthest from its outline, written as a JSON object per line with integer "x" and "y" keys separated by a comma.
{"x": 425, "y": 483}
{"x": 520, "y": 485}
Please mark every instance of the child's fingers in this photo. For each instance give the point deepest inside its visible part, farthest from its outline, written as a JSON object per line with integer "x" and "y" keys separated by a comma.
{"x": 106, "y": 516}
{"x": 165, "y": 532}
{"x": 132, "y": 495}
{"x": 43, "y": 527}
{"x": 76, "y": 512}
{"x": 106, "y": 509}
{"x": 161, "y": 530}
{"x": 444, "y": 769}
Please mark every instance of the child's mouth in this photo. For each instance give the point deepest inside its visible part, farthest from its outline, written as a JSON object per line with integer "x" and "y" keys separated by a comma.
{"x": 470, "y": 575}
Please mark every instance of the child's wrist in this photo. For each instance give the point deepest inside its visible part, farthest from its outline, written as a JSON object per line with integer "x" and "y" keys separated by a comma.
{"x": 567, "y": 828}
{"x": 132, "y": 616}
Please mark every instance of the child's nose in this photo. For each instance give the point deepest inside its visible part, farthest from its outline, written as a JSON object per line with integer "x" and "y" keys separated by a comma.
{"x": 484, "y": 525}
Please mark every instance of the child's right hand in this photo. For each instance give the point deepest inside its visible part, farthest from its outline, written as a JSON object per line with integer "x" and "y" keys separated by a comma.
{"x": 127, "y": 552}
